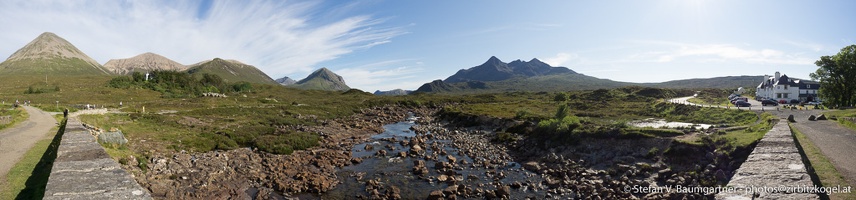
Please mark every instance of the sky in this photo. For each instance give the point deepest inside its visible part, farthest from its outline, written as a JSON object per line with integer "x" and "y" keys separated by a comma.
{"x": 390, "y": 44}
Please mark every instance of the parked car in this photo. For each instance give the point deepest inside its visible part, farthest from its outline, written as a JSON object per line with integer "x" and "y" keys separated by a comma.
{"x": 739, "y": 99}
{"x": 741, "y": 103}
{"x": 794, "y": 102}
{"x": 814, "y": 103}
{"x": 766, "y": 102}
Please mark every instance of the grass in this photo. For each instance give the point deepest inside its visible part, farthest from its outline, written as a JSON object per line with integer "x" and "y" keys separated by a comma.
{"x": 27, "y": 178}
{"x": 823, "y": 172}
{"x": 841, "y": 114}
{"x": 17, "y": 115}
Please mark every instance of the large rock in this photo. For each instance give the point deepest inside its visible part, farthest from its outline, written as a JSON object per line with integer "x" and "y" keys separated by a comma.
{"x": 821, "y": 117}
{"x": 112, "y": 138}
{"x": 812, "y": 118}
{"x": 436, "y": 195}
{"x": 791, "y": 118}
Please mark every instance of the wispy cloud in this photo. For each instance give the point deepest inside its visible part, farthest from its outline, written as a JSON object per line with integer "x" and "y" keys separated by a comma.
{"x": 672, "y": 51}
{"x": 280, "y": 37}
{"x": 560, "y": 59}
{"x": 385, "y": 75}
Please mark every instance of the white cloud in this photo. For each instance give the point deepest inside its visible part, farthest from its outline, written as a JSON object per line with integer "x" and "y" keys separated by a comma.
{"x": 384, "y": 75}
{"x": 279, "y": 37}
{"x": 560, "y": 59}
{"x": 718, "y": 53}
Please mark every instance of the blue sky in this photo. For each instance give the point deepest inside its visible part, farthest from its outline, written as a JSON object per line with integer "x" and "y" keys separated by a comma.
{"x": 386, "y": 44}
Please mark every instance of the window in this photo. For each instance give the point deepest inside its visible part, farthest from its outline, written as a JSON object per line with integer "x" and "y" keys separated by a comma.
{"x": 785, "y": 95}
{"x": 786, "y": 87}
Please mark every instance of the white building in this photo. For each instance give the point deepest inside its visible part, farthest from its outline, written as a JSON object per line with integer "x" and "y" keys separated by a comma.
{"x": 782, "y": 87}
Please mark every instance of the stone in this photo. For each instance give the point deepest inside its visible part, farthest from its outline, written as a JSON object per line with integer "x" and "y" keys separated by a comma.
{"x": 531, "y": 166}
{"x": 451, "y": 158}
{"x": 436, "y": 195}
{"x": 503, "y": 192}
{"x": 115, "y": 137}
{"x": 442, "y": 178}
{"x": 369, "y": 147}
{"x": 812, "y": 118}
{"x": 791, "y": 118}
{"x": 821, "y": 117}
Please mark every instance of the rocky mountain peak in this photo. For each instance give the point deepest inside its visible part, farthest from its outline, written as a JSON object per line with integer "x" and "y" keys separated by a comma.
{"x": 143, "y": 63}
{"x": 322, "y": 79}
{"x": 49, "y": 45}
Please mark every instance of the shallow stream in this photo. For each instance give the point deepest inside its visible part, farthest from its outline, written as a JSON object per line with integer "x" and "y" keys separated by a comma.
{"x": 395, "y": 170}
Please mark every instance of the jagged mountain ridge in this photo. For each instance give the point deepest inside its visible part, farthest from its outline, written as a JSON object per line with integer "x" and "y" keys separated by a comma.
{"x": 322, "y": 79}
{"x": 145, "y": 62}
{"x": 231, "y": 71}
{"x": 496, "y": 70}
{"x": 49, "y": 54}
{"x": 525, "y": 76}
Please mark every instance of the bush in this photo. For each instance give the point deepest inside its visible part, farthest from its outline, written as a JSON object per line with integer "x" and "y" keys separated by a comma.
{"x": 565, "y": 125}
{"x": 286, "y": 143}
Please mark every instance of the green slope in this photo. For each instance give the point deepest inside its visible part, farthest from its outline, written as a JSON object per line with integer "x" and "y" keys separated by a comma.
{"x": 231, "y": 71}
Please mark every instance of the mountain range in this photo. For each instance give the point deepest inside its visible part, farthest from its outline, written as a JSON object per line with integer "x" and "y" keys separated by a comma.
{"x": 49, "y": 54}
{"x": 534, "y": 75}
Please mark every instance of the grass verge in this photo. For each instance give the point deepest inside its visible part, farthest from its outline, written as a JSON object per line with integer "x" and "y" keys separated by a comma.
{"x": 18, "y": 115}
{"x": 822, "y": 172}
{"x": 28, "y": 178}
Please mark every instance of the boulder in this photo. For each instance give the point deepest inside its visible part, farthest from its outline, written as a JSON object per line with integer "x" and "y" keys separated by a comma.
{"x": 531, "y": 166}
{"x": 435, "y": 195}
{"x": 821, "y": 117}
{"x": 112, "y": 138}
{"x": 812, "y": 118}
{"x": 791, "y": 118}
{"x": 503, "y": 192}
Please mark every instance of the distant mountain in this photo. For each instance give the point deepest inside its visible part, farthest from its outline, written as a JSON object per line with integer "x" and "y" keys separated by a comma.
{"x": 716, "y": 82}
{"x": 50, "y": 54}
{"x": 285, "y": 81}
{"x": 231, "y": 71}
{"x": 322, "y": 79}
{"x": 395, "y": 92}
{"x": 536, "y": 76}
{"x": 496, "y": 70}
{"x": 145, "y": 62}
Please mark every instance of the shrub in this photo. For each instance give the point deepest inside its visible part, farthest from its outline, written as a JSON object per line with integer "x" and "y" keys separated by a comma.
{"x": 566, "y": 124}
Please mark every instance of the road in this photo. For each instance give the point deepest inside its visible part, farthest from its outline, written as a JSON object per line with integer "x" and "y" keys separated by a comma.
{"x": 17, "y": 140}
{"x": 756, "y": 105}
{"x": 836, "y": 142}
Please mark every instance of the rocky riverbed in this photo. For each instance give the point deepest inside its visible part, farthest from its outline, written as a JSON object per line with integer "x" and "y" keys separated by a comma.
{"x": 249, "y": 174}
{"x": 373, "y": 155}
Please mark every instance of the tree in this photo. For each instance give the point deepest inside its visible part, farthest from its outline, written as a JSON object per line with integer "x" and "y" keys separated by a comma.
{"x": 836, "y": 75}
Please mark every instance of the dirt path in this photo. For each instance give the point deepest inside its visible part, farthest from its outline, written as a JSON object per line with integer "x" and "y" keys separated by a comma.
{"x": 17, "y": 140}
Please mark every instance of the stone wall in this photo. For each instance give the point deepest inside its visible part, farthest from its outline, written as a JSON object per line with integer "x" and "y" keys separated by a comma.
{"x": 83, "y": 170}
{"x": 775, "y": 164}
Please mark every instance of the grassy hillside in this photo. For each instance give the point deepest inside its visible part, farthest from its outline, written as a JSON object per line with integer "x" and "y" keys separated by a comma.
{"x": 729, "y": 82}
{"x": 231, "y": 72}
{"x": 59, "y": 67}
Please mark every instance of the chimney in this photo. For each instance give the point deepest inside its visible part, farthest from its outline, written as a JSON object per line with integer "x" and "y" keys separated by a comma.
{"x": 778, "y": 75}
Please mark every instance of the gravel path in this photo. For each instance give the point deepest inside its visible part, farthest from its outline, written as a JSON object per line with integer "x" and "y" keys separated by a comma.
{"x": 17, "y": 140}
{"x": 837, "y": 142}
